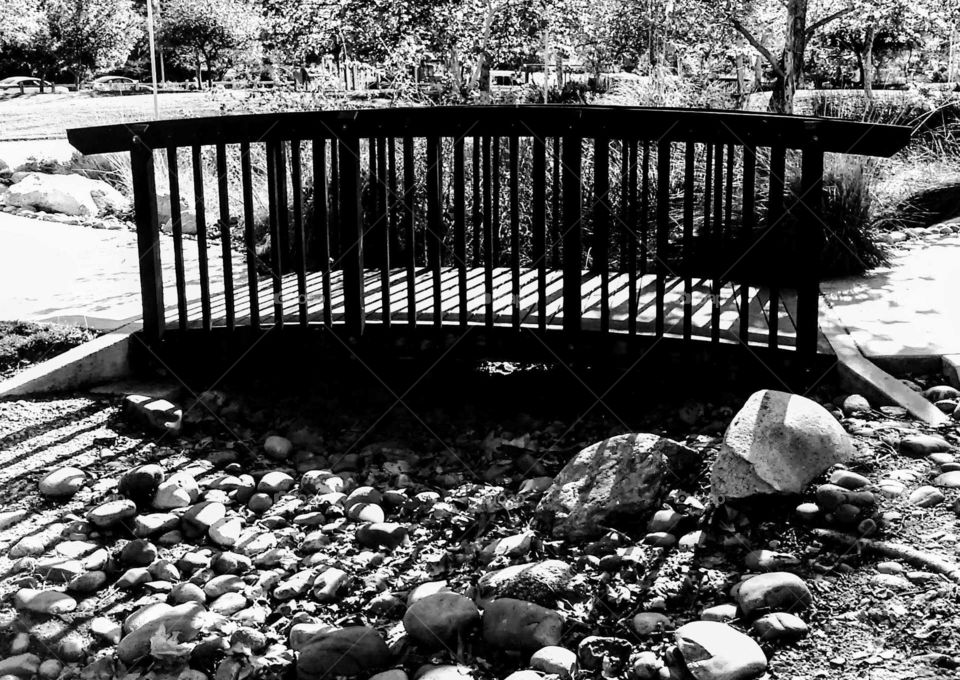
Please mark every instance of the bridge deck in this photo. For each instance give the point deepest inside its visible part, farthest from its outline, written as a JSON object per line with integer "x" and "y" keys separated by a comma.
{"x": 399, "y": 313}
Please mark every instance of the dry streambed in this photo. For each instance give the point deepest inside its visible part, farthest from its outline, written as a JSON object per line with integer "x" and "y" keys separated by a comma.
{"x": 247, "y": 539}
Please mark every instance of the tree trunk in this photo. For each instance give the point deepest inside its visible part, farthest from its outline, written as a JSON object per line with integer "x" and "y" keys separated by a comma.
{"x": 866, "y": 63}
{"x": 791, "y": 62}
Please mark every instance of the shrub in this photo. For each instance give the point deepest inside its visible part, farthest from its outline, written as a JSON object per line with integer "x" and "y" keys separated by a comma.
{"x": 23, "y": 342}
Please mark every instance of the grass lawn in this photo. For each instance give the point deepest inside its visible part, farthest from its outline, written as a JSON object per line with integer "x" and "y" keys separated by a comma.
{"x": 39, "y": 116}
{"x": 23, "y": 343}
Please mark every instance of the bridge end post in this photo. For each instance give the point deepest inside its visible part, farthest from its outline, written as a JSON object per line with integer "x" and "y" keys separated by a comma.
{"x": 148, "y": 240}
{"x": 351, "y": 235}
{"x": 808, "y": 293}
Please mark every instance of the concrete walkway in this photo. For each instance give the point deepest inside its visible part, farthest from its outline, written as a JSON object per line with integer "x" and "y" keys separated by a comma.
{"x": 79, "y": 275}
{"x": 909, "y": 309}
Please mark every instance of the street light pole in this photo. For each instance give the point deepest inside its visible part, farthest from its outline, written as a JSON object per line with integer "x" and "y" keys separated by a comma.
{"x": 153, "y": 59}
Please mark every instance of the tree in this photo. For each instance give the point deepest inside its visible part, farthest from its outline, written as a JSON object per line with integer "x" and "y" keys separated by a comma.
{"x": 208, "y": 34}
{"x": 22, "y": 21}
{"x": 879, "y": 26}
{"x": 788, "y": 65}
{"x": 92, "y": 35}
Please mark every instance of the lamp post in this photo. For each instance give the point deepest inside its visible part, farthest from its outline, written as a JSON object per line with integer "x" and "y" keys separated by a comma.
{"x": 153, "y": 59}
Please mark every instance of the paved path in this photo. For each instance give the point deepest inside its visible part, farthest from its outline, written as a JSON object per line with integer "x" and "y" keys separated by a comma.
{"x": 911, "y": 308}
{"x": 73, "y": 274}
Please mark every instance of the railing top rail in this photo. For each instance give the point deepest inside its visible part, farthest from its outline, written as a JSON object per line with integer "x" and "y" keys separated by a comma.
{"x": 720, "y": 127}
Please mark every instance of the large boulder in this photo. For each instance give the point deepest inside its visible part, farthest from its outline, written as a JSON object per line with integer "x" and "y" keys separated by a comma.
{"x": 620, "y": 478}
{"x": 540, "y": 582}
{"x": 67, "y": 194}
{"x": 185, "y": 621}
{"x": 777, "y": 444}
{"x": 525, "y": 626}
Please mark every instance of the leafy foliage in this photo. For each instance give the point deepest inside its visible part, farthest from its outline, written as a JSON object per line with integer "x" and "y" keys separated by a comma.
{"x": 207, "y": 34}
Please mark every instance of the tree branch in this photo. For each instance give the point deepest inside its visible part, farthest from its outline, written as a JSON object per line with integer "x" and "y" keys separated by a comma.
{"x": 742, "y": 30}
{"x": 826, "y": 20}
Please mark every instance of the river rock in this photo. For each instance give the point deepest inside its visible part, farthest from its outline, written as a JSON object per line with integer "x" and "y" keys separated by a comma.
{"x": 777, "y": 443}
{"x": 107, "y": 514}
{"x": 152, "y": 412}
{"x": 138, "y": 553}
{"x": 515, "y": 624}
{"x": 275, "y": 482}
{"x": 444, "y": 672}
{"x": 20, "y": 666}
{"x": 926, "y": 497}
{"x": 56, "y": 569}
{"x": 277, "y": 447}
{"x": 646, "y": 624}
{"x": 187, "y": 592}
{"x": 351, "y": 652}
{"x": 597, "y": 652}
{"x": 27, "y": 546}
{"x": 780, "y": 626}
{"x": 539, "y": 582}
{"x": 774, "y": 591}
{"x": 179, "y": 491}
{"x": 439, "y": 620}
{"x": 855, "y": 404}
{"x": 198, "y": 519}
{"x": 140, "y": 484}
{"x": 920, "y": 445}
{"x": 948, "y": 480}
{"x": 226, "y": 532}
{"x": 154, "y": 523}
{"x": 44, "y": 601}
{"x": 620, "y": 477}
{"x": 62, "y": 482}
{"x": 715, "y": 651}
{"x": 555, "y": 661}
{"x": 848, "y": 480}
{"x": 184, "y": 620}
{"x": 88, "y": 582}
{"x": 941, "y": 392}
{"x": 382, "y": 535}
{"x": 770, "y": 560}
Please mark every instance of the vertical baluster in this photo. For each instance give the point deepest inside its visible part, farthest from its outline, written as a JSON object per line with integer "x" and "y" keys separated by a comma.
{"x": 728, "y": 216}
{"x": 226, "y": 250}
{"x": 176, "y": 219}
{"x": 487, "y": 235}
{"x": 644, "y": 206}
{"x": 539, "y": 227}
{"x": 557, "y": 219}
{"x": 249, "y": 237}
{"x": 749, "y": 219}
{"x": 707, "y": 192}
{"x": 808, "y": 289}
{"x": 624, "y": 230}
{"x": 663, "y": 229}
{"x": 572, "y": 227}
{"x": 351, "y": 238}
{"x": 688, "y": 189}
{"x": 283, "y": 212}
{"x": 460, "y": 226}
{"x": 299, "y": 247}
{"x": 477, "y": 205}
{"x": 201, "y": 212}
{"x": 601, "y": 225}
{"x": 514, "y": 180}
{"x": 321, "y": 225}
{"x": 435, "y": 224}
{"x": 778, "y": 166}
{"x": 335, "y": 249}
{"x": 384, "y": 220}
{"x": 717, "y": 245}
{"x": 633, "y": 234}
{"x": 495, "y": 188}
{"x": 393, "y": 224}
{"x": 272, "y": 200}
{"x": 376, "y": 229}
{"x": 148, "y": 240}
{"x": 409, "y": 187}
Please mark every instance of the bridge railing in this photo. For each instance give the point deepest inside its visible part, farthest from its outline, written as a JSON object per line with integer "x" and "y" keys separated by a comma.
{"x": 659, "y": 221}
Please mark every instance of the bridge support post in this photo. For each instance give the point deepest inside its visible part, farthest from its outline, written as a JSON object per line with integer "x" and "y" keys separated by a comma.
{"x": 148, "y": 240}
{"x": 808, "y": 288}
{"x": 351, "y": 235}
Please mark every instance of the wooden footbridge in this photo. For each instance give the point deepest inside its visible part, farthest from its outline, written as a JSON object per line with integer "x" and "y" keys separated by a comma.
{"x": 568, "y": 224}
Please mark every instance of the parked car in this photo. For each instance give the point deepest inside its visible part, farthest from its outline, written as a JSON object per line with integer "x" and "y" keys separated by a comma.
{"x": 24, "y": 84}
{"x": 117, "y": 84}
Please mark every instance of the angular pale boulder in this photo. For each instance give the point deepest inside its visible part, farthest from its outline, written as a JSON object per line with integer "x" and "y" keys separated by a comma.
{"x": 777, "y": 444}
{"x": 618, "y": 478}
{"x": 67, "y": 194}
{"x": 715, "y": 651}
